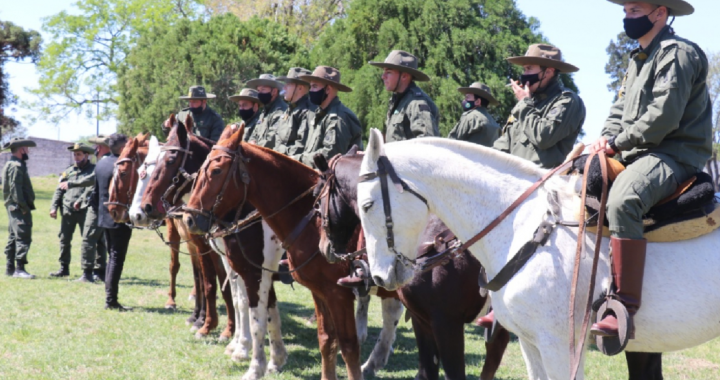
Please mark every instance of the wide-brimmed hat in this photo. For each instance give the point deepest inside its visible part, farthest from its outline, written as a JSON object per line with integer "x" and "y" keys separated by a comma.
{"x": 80, "y": 147}
{"x": 248, "y": 94}
{"x": 18, "y": 142}
{"x": 264, "y": 80}
{"x": 198, "y": 93}
{"x": 98, "y": 140}
{"x": 327, "y": 75}
{"x": 545, "y": 56}
{"x": 294, "y": 74}
{"x": 403, "y": 61}
{"x": 677, "y": 7}
{"x": 480, "y": 90}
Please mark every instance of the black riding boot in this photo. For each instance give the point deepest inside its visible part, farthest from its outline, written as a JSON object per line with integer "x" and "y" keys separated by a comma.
{"x": 87, "y": 276}
{"x": 20, "y": 272}
{"x": 10, "y": 267}
{"x": 99, "y": 275}
{"x": 64, "y": 271}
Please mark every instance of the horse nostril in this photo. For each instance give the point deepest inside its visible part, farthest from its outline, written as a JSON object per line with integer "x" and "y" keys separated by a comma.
{"x": 138, "y": 216}
{"x": 378, "y": 281}
{"x": 148, "y": 208}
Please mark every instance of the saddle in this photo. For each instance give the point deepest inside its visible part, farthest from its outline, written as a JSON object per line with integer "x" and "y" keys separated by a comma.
{"x": 690, "y": 212}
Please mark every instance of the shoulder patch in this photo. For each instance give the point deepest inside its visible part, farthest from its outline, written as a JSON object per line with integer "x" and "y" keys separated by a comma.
{"x": 424, "y": 107}
{"x": 329, "y": 138}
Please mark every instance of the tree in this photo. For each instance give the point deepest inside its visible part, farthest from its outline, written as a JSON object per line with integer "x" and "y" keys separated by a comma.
{"x": 304, "y": 18}
{"x": 618, "y": 60}
{"x": 457, "y": 42}
{"x": 88, "y": 49}
{"x": 18, "y": 44}
{"x": 170, "y": 59}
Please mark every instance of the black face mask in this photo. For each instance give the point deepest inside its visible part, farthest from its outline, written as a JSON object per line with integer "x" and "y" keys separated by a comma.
{"x": 196, "y": 110}
{"x": 265, "y": 98}
{"x": 246, "y": 114}
{"x": 468, "y": 105}
{"x": 318, "y": 97}
{"x": 635, "y": 28}
{"x": 529, "y": 78}
{"x": 25, "y": 157}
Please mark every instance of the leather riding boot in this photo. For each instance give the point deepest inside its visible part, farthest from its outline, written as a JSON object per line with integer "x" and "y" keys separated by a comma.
{"x": 87, "y": 276}
{"x": 10, "y": 267}
{"x": 21, "y": 273}
{"x": 64, "y": 271}
{"x": 99, "y": 275}
{"x": 486, "y": 321}
{"x": 628, "y": 268}
{"x": 115, "y": 305}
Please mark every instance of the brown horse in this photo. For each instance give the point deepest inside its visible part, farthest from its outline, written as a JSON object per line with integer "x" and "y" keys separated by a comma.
{"x": 182, "y": 154}
{"x": 280, "y": 189}
{"x": 121, "y": 192}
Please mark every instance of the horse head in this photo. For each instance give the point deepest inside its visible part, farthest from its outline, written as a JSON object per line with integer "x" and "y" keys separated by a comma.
{"x": 336, "y": 194}
{"x": 124, "y": 179}
{"x": 391, "y": 244}
{"x": 180, "y": 157}
{"x": 219, "y": 188}
{"x": 137, "y": 215}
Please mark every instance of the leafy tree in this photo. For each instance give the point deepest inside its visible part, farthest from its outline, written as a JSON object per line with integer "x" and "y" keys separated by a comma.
{"x": 304, "y": 18}
{"x": 618, "y": 59}
{"x": 18, "y": 44}
{"x": 457, "y": 41}
{"x": 170, "y": 59}
{"x": 88, "y": 49}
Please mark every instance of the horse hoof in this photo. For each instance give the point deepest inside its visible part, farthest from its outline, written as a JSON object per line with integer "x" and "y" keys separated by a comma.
{"x": 170, "y": 306}
{"x": 368, "y": 371}
{"x": 190, "y": 321}
{"x": 191, "y": 297}
{"x": 242, "y": 356}
{"x": 194, "y": 328}
{"x": 200, "y": 335}
{"x": 223, "y": 339}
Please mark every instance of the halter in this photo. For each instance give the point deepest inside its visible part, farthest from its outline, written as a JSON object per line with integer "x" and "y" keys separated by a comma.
{"x": 386, "y": 169}
{"x": 116, "y": 178}
{"x": 181, "y": 175}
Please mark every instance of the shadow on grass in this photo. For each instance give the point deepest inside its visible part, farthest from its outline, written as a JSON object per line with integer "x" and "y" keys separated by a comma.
{"x": 132, "y": 280}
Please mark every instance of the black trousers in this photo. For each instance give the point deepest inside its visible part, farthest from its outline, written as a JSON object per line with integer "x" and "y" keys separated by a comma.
{"x": 117, "y": 240}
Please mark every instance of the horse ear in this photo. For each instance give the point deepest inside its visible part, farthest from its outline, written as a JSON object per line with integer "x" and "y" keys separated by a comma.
{"x": 189, "y": 123}
{"x": 321, "y": 162}
{"x": 172, "y": 119}
{"x": 154, "y": 143}
{"x": 238, "y": 132}
{"x": 375, "y": 150}
{"x": 227, "y": 132}
{"x": 182, "y": 133}
{"x": 353, "y": 151}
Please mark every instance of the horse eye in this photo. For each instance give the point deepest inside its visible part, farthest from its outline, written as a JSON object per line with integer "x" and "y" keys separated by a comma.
{"x": 216, "y": 171}
{"x": 171, "y": 161}
{"x": 123, "y": 174}
{"x": 367, "y": 206}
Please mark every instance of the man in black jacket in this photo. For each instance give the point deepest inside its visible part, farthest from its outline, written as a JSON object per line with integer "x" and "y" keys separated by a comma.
{"x": 117, "y": 236}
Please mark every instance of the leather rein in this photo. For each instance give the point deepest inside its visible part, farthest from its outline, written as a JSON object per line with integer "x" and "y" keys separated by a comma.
{"x": 181, "y": 176}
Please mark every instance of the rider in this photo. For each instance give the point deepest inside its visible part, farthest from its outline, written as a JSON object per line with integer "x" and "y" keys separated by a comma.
{"x": 411, "y": 112}
{"x": 476, "y": 124}
{"x": 547, "y": 119}
{"x": 248, "y": 106}
{"x": 661, "y": 127}
{"x": 206, "y": 122}
{"x": 93, "y": 251}
{"x": 292, "y": 122}
{"x": 274, "y": 107}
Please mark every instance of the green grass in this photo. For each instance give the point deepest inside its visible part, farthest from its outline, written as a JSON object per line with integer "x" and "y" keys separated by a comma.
{"x": 56, "y": 329}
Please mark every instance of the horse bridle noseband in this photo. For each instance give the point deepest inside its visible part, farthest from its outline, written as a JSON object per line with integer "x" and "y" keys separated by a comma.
{"x": 386, "y": 169}
{"x": 116, "y": 177}
{"x": 181, "y": 175}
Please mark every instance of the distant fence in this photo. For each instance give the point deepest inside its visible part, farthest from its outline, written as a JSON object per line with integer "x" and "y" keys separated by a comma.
{"x": 49, "y": 157}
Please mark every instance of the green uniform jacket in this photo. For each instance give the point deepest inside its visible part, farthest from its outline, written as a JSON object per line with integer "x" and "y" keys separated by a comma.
{"x": 17, "y": 188}
{"x": 271, "y": 114}
{"x": 543, "y": 128}
{"x": 289, "y": 125}
{"x": 411, "y": 114}
{"x": 79, "y": 180}
{"x": 208, "y": 124}
{"x": 476, "y": 126}
{"x": 330, "y": 131}
{"x": 250, "y": 126}
{"x": 663, "y": 106}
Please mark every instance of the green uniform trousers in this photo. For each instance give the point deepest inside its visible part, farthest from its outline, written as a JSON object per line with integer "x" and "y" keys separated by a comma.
{"x": 645, "y": 182}
{"x": 68, "y": 222}
{"x": 20, "y": 234}
{"x": 93, "y": 251}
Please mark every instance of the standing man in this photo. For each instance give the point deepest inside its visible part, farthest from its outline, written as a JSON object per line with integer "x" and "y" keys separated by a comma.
{"x": 661, "y": 127}
{"x": 248, "y": 106}
{"x": 411, "y": 112}
{"x": 547, "y": 119}
{"x": 333, "y": 128}
{"x": 93, "y": 251}
{"x": 299, "y": 105}
{"x": 476, "y": 125}
{"x": 68, "y": 197}
{"x": 117, "y": 235}
{"x": 273, "y": 108}
{"x": 19, "y": 202}
{"x": 207, "y": 123}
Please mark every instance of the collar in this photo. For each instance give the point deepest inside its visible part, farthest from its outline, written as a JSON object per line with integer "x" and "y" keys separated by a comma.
{"x": 551, "y": 90}
{"x": 270, "y": 107}
{"x": 333, "y": 103}
{"x": 304, "y": 99}
{"x": 396, "y": 97}
{"x": 641, "y": 54}
{"x": 13, "y": 158}
{"x": 80, "y": 167}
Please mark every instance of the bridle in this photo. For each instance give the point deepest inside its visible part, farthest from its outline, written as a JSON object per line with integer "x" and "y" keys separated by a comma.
{"x": 116, "y": 179}
{"x": 386, "y": 169}
{"x": 181, "y": 175}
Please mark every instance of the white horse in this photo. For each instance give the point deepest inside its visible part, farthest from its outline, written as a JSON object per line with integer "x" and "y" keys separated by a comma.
{"x": 467, "y": 186}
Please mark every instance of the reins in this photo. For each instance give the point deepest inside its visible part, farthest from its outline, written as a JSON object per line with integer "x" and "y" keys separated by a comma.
{"x": 182, "y": 174}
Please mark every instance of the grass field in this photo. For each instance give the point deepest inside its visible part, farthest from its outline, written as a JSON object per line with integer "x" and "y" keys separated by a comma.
{"x": 57, "y": 329}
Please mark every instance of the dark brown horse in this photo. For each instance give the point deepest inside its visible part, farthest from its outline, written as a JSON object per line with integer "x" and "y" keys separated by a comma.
{"x": 183, "y": 153}
{"x": 121, "y": 193}
{"x": 280, "y": 189}
{"x": 441, "y": 301}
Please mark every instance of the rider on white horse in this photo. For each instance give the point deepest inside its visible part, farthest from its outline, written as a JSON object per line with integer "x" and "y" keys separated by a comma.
{"x": 661, "y": 127}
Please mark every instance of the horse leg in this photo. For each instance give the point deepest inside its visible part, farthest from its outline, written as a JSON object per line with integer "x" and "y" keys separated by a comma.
{"x": 197, "y": 281}
{"x": 494, "y": 353}
{"x": 341, "y": 312}
{"x": 242, "y": 320}
{"x": 278, "y": 353}
{"x": 644, "y": 366}
{"x": 210, "y": 289}
{"x": 449, "y": 334}
{"x": 392, "y": 310}
{"x": 533, "y": 361}
{"x": 428, "y": 364}
{"x": 174, "y": 238}
{"x": 258, "y": 328}
{"x": 226, "y": 292}
{"x": 327, "y": 339}
{"x": 361, "y": 317}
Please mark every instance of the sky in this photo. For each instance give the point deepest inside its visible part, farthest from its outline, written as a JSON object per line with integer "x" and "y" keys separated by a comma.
{"x": 581, "y": 29}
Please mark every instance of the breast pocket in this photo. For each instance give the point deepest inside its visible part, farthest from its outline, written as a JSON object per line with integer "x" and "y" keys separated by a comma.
{"x": 397, "y": 126}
